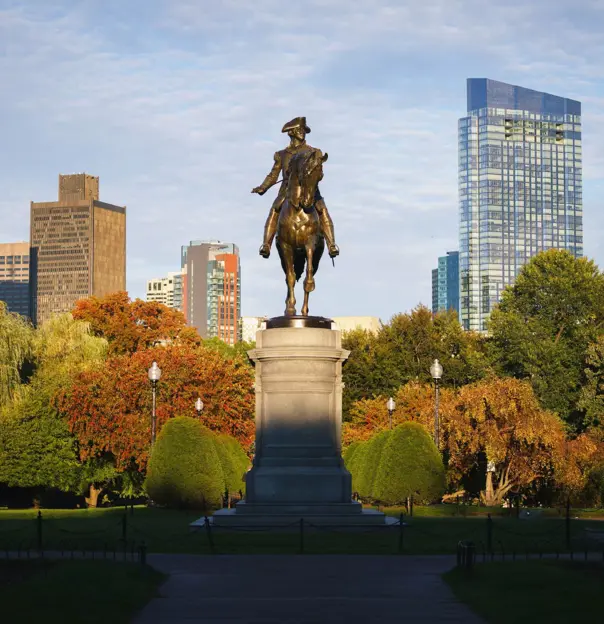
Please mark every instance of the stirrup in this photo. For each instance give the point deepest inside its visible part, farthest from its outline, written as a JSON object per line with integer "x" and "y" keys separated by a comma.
{"x": 265, "y": 250}
{"x": 334, "y": 251}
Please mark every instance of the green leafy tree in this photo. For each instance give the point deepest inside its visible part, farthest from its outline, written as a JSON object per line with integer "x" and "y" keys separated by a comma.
{"x": 410, "y": 466}
{"x": 15, "y": 347}
{"x": 403, "y": 351}
{"x": 371, "y": 460}
{"x": 355, "y": 467}
{"x": 234, "y": 463}
{"x": 184, "y": 469}
{"x": 543, "y": 326}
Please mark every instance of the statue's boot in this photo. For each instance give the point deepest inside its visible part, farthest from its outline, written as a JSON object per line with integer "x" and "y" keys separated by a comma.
{"x": 328, "y": 233}
{"x": 270, "y": 229}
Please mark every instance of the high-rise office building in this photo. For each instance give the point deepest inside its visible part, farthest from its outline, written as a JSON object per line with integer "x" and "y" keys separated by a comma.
{"x": 78, "y": 247}
{"x": 445, "y": 283}
{"x": 520, "y": 188}
{"x": 166, "y": 290}
{"x": 14, "y": 277}
{"x": 211, "y": 290}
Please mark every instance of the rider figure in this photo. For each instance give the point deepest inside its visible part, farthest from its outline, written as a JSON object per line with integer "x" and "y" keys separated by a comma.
{"x": 296, "y": 130}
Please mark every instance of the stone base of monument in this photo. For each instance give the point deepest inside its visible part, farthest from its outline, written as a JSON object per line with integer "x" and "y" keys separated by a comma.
{"x": 298, "y": 471}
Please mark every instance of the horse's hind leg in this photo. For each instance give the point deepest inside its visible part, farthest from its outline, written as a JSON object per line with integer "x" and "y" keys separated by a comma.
{"x": 287, "y": 259}
{"x": 309, "y": 280}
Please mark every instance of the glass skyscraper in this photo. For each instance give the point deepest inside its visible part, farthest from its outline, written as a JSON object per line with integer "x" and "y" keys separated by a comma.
{"x": 445, "y": 283}
{"x": 520, "y": 188}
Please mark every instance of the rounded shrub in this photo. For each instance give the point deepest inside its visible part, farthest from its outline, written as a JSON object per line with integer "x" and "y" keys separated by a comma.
{"x": 234, "y": 463}
{"x": 356, "y": 468}
{"x": 371, "y": 459}
{"x": 184, "y": 469}
{"x": 348, "y": 454}
{"x": 410, "y": 466}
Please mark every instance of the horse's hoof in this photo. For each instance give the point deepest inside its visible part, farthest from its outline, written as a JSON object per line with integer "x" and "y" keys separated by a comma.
{"x": 290, "y": 311}
{"x": 304, "y": 312}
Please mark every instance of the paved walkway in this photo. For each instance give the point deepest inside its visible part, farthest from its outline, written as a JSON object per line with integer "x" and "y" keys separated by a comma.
{"x": 305, "y": 589}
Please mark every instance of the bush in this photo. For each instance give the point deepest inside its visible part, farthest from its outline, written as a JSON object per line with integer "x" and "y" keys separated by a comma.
{"x": 234, "y": 463}
{"x": 356, "y": 467}
{"x": 410, "y": 466}
{"x": 184, "y": 469}
{"x": 370, "y": 461}
{"x": 349, "y": 453}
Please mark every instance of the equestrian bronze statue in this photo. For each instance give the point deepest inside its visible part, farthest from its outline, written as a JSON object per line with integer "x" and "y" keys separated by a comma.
{"x": 298, "y": 217}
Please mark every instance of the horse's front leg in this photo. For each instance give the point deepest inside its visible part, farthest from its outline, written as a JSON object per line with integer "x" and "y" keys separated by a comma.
{"x": 309, "y": 280}
{"x": 287, "y": 259}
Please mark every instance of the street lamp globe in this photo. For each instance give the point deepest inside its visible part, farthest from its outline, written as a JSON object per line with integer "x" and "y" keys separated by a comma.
{"x": 391, "y": 405}
{"x": 154, "y": 373}
{"x": 199, "y": 405}
{"x": 436, "y": 370}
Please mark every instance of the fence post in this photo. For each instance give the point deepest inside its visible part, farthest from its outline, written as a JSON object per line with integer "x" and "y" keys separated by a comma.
{"x": 39, "y": 530}
{"x": 401, "y": 532}
{"x": 567, "y": 524}
{"x": 489, "y": 533}
{"x": 125, "y": 525}
{"x": 301, "y": 535}
{"x": 209, "y": 534}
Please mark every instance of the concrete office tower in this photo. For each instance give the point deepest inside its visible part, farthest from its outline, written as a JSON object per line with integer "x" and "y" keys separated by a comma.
{"x": 166, "y": 290}
{"x": 14, "y": 277}
{"x": 520, "y": 188}
{"x": 445, "y": 283}
{"x": 78, "y": 247}
{"x": 212, "y": 289}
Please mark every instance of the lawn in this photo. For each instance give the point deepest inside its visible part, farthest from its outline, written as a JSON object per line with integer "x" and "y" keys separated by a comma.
{"x": 74, "y": 591}
{"x": 532, "y": 591}
{"x": 168, "y": 531}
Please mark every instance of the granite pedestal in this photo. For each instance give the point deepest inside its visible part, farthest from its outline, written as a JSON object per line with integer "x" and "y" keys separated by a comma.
{"x": 298, "y": 471}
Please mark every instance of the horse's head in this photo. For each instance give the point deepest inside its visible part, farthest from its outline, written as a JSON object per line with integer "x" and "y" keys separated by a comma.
{"x": 308, "y": 166}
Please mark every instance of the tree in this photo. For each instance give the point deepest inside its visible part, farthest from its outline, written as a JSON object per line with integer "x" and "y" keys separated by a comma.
{"x": 234, "y": 463}
{"x": 130, "y": 326}
{"x": 109, "y": 409}
{"x": 371, "y": 459}
{"x": 355, "y": 467}
{"x": 403, "y": 350}
{"x": 15, "y": 347}
{"x": 410, "y": 467}
{"x": 499, "y": 428}
{"x": 591, "y": 397}
{"x": 542, "y": 328}
{"x": 184, "y": 469}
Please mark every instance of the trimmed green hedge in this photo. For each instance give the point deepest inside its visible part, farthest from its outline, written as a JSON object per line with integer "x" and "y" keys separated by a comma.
{"x": 371, "y": 460}
{"x": 234, "y": 463}
{"x": 184, "y": 469}
{"x": 410, "y": 466}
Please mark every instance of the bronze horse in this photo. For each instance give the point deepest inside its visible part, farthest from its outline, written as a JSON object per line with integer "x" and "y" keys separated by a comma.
{"x": 299, "y": 238}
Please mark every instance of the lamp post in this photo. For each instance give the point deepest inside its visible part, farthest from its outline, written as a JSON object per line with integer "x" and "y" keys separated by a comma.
{"x": 436, "y": 370}
{"x": 199, "y": 406}
{"x": 390, "y": 405}
{"x": 154, "y": 376}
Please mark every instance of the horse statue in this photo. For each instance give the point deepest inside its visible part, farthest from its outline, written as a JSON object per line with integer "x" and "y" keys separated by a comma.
{"x": 299, "y": 239}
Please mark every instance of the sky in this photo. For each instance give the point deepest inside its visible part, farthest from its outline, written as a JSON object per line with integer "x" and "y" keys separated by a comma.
{"x": 177, "y": 105}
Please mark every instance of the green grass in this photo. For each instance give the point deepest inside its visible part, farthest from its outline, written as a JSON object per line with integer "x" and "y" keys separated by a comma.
{"x": 74, "y": 591}
{"x": 168, "y": 531}
{"x": 532, "y": 592}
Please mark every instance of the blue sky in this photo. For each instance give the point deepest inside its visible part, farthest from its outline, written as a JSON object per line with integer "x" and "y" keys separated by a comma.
{"x": 178, "y": 105}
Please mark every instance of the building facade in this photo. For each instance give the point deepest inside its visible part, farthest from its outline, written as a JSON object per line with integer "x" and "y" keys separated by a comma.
{"x": 249, "y": 326}
{"x": 166, "y": 290}
{"x": 14, "y": 277}
{"x": 520, "y": 188}
{"x": 211, "y": 289}
{"x": 78, "y": 247}
{"x": 445, "y": 283}
{"x": 350, "y": 323}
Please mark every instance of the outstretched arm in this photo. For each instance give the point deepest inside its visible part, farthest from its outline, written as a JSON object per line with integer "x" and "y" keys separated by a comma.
{"x": 271, "y": 178}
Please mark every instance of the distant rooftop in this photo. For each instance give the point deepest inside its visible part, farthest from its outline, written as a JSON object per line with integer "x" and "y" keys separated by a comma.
{"x": 486, "y": 93}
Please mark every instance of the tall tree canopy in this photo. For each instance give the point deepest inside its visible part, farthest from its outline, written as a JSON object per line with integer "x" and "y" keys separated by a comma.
{"x": 109, "y": 409}
{"x": 16, "y": 336}
{"x": 130, "y": 325}
{"x": 403, "y": 351}
{"x": 542, "y": 328}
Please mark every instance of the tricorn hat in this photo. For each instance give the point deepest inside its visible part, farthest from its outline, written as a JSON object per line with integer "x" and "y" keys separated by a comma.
{"x": 296, "y": 123}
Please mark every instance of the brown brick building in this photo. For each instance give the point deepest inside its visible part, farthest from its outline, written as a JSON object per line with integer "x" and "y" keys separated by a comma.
{"x": 78, "y": 247}
{"x": 14, "y": 277}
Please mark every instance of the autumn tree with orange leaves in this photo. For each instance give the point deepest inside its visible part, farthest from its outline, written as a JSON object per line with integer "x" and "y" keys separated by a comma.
{"x": 109, "y": 409}
{"x": 129, "y": 326}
